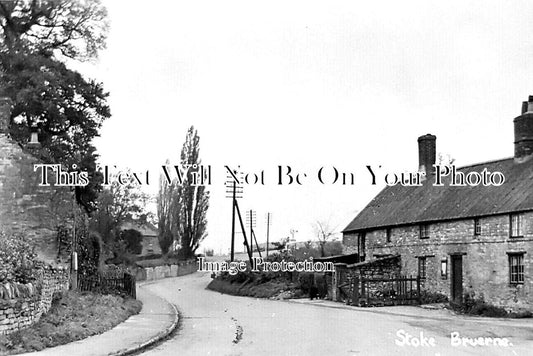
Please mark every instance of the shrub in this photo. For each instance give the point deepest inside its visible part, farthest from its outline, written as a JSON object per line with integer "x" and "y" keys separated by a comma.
{"x": 133, "y": 240}
{"x": 477, "y": 306}
{"x": 429, "y": 297}
{"x": 89, "y": 251}
{"x": 17, "y": 259}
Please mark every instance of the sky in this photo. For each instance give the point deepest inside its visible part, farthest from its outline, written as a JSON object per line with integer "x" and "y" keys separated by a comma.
{"x": 310, "y": 84}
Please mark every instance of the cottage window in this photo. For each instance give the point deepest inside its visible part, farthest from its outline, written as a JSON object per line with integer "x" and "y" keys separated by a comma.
{"x": 444, "y": 269}
{"x": 516, "y": 268}
{"x": 389, "y": 234}
{"x": 516, "y": 225}
{"x": 422, "y": 267}
{"x": 424, "y": 231}
{"x": 477, "y": 227}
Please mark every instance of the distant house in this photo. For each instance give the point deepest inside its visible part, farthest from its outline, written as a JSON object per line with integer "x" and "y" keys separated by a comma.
{"x": 459, "y": 239}
{"x": 150, "y": 240}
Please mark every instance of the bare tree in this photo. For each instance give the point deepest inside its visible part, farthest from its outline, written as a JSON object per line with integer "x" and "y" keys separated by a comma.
{"x": 324, "y": 233}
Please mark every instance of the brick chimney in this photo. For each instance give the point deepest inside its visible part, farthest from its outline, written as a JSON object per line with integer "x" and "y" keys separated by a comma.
{"x": 5, "y": 114}
{"x": 426, "y": 152}
{"x": 523, "y": 132}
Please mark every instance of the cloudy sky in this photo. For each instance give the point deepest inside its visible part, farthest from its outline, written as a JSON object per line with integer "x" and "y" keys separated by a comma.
{"x": 310, "y": 84}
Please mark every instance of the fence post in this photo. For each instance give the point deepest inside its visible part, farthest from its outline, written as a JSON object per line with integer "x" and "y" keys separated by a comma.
{"x": 419, "y": 298}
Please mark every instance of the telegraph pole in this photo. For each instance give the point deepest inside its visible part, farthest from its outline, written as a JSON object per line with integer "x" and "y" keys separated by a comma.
{"x": 268, "y": 232}
{"x": 233, "y": 191}
{"x": 251, "y": 219}
{"x": 233, "y": 222}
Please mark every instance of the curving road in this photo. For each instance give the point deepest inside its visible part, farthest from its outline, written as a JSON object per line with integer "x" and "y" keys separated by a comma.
{"x": 218, "y": 324}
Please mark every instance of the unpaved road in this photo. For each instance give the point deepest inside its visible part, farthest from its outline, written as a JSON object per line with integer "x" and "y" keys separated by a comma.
{"x": 218, "y": 324}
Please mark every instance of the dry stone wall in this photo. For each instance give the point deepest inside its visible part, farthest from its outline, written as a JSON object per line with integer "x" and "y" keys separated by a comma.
{"x": 21, "y": 305}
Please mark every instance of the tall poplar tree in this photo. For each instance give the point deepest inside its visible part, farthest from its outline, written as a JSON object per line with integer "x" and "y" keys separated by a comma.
{"x": 182, "y": 206}
{"x": 194, "y": 198}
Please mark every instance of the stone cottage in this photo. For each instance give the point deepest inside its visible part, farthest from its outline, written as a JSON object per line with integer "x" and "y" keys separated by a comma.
{"x": 459, "y": 238}
{"x": 150, "y": 241}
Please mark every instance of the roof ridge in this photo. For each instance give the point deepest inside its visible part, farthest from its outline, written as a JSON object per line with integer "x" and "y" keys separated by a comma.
{"x": 487, "y": 162}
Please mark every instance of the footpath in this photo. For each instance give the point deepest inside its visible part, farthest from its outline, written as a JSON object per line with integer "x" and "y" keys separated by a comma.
{"x": 157, "y": 319}
{"x": 427, "y": 311}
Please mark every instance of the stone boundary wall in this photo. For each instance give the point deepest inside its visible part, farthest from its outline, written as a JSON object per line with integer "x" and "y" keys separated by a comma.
{"x": 21, "y": 305}
{"x": 165, "y": 271}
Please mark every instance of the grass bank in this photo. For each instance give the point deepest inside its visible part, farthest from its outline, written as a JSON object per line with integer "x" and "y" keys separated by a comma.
{"x": 73, "y": 316}
{"x": 279, "y": 289}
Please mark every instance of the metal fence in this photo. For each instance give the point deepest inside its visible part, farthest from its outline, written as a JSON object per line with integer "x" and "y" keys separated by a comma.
{"x": 124, "y": 284}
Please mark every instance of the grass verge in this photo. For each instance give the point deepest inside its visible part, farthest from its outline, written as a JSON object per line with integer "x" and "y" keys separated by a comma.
{"x": 73, "y": 316}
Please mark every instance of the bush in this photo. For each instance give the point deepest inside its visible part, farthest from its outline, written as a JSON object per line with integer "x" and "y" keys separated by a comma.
{"x": 430, "y": 298}
{"x": 17, "y": 259}
{"x": 133, "y": 240}
{"x": 89, "y": 252}
{"x": 477, "y": 306}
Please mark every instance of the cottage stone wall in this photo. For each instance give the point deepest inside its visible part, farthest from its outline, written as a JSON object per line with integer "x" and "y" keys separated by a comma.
{"x": 23, "y": 304}
{"x": 485, "y": 256}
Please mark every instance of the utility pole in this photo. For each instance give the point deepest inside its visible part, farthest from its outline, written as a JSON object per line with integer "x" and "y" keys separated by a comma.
{"x": 251, "y": 219}
{"x": 233, "y": 222}
{"x": 234, "y": 191}
{"x": 268, "y": 232}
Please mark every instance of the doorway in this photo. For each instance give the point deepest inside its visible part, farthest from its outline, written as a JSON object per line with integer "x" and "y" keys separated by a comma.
{"x": 456, "y": 283}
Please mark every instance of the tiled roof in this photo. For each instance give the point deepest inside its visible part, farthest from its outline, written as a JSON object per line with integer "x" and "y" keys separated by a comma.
{"x": 399, "y": 205}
